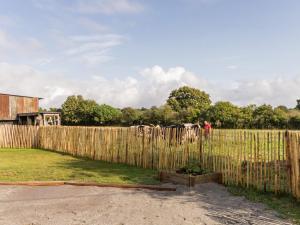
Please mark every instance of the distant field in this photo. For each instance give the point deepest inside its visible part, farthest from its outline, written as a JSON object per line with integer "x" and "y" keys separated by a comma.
{"x": 40, "y": 165}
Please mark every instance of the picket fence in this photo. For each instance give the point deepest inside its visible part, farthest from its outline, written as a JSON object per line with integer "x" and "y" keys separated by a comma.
{"x": 268, "y": 160}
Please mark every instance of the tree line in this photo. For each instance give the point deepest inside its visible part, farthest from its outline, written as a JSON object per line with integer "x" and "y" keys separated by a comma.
{"x": 184, "y": 105}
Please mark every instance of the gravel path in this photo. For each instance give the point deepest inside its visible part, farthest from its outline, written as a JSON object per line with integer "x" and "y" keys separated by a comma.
{"x": 69, "y": 205}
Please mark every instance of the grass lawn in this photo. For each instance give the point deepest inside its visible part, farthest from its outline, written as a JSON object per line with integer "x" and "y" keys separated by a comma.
{"x": 41, "y": 165}
{"x": 285, "y": 205}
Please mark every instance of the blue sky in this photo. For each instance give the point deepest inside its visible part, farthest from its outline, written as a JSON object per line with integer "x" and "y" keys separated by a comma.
{"x": 131, "y": 52}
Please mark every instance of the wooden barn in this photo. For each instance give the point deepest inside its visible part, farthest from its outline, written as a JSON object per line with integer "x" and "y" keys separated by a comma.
{"x": 24, "y": 110}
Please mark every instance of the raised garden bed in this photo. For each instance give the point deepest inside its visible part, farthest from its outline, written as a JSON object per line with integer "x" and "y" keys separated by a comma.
{"x": 190, "y": 176}
{"x": 188, "y": 179}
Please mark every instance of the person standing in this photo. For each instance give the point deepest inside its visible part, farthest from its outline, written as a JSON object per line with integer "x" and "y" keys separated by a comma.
{"x": 207, "y": 128}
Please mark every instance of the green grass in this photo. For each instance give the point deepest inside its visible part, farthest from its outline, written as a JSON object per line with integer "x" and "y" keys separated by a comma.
{"x": 41, "y": 165}
{"x": 285, "y": 205}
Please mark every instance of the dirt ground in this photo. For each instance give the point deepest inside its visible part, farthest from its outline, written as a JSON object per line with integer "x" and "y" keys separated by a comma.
{"x": 70, "y": 205}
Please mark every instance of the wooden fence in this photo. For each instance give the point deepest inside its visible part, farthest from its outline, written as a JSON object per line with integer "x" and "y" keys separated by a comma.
{"x": 12, "y": 136}
{"x": 264, "y": 159}
{"x": 153, "y": 148}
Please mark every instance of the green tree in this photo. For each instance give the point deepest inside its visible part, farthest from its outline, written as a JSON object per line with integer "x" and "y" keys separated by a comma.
{"x": 106, "y": 114}
{"x": 187, "y": 97}
{"x": 70, "y": 110}
{"x": 294, "y": 119}
{"x": 151, "y": 116}
{"x": 283, "y": 108}
{"x": 184, "y": 105}
{"x": 78, "y": 111}
{"x": 298, "y": 104}
{"x": 245, "y": 119}
{"x": 281, "y": 118}
{"x": 224, "y": 114}
{"x": 168, "y": 116}
{"x": 189, "y": 103}
{"x": 130, "y": 116}
{"x": 264, "y": 117}
{"x": 86, "y": 112}
{"x": 294, "y": 122}
{"x": 189, "y": 115}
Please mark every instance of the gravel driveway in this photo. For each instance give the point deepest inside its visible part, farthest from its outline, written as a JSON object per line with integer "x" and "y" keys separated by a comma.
{"x": 70, "y": 205}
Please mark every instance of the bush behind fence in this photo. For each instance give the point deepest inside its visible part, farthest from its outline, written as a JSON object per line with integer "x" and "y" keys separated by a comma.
{"x": 265, "y": 159}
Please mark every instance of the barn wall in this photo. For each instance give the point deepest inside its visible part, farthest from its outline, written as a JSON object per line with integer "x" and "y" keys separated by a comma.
{"x": 4, "y": 107}
{"x": 10, "y": 106}
{"x": 13, "y": 103}
{"x": 35, "y": 103}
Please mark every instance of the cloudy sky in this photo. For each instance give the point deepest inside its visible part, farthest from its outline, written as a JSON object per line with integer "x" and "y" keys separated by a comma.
{"x": 133, "y": 52}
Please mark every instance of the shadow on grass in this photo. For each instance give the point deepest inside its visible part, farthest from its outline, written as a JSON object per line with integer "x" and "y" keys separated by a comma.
{"x": 83, "y": 169}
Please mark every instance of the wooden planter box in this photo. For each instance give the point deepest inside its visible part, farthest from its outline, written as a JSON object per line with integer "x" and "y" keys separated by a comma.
{"x": 189, "y": 180}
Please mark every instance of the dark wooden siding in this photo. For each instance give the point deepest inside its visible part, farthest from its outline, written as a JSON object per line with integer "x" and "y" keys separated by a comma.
{"x": 10, "y": 106}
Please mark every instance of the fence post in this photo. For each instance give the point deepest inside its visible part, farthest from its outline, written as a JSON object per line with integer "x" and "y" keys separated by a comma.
{"x": 201, "y": 147}
{"x": 288, "y": 158}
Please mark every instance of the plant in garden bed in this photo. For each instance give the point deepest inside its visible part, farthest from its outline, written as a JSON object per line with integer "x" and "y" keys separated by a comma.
{"x": 190, "y": 175}
{"x": 192, "y": 168}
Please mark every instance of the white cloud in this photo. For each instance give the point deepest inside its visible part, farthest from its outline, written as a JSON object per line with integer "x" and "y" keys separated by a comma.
{"x": 107, "y": 6}
{"x": 92, "y": 25}
{"x": 232, "y": 67}
{"x": 91, "y": 6}
{"x": 24, "y": 46}
{"x": 85, "y": 41}
{"x": 202, "y": 2}
{"x": 276, "y": 91}
{"x": 92, "y": 49}
{"x": 25, "y": 80}
{"x": 6, "y": 21}
{"x": 86, "y": 49}
{"x": 43, "y": 61}
{"x": 5, "y": 43}
{"x": 45, "y": 4}
{"x": 150, "y": 87}
{"x": 157, "y": 83}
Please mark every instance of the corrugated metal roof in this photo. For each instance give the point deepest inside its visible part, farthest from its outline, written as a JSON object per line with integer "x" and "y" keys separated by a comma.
{"x": 20, "y": 95}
